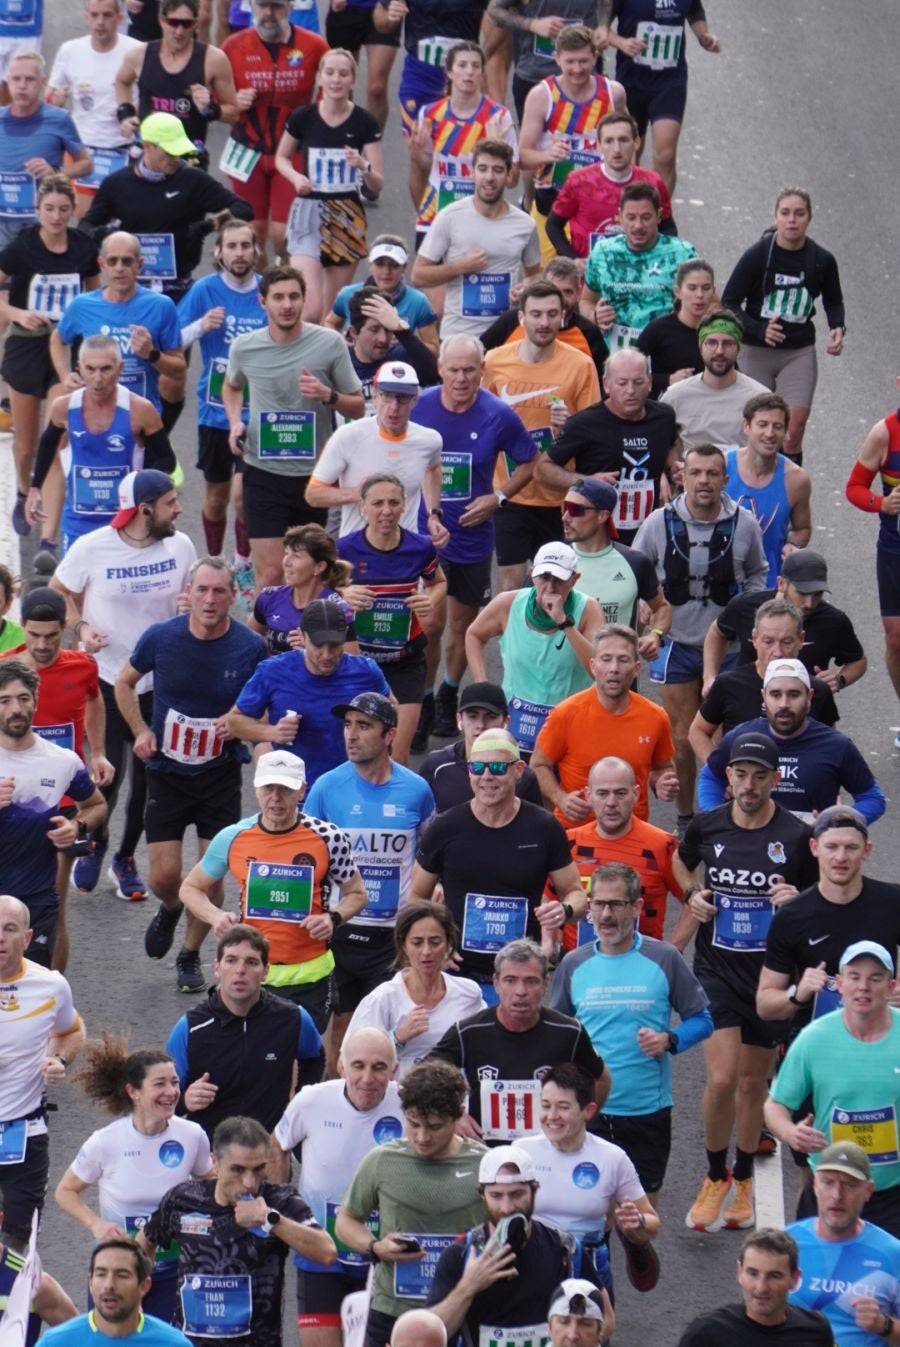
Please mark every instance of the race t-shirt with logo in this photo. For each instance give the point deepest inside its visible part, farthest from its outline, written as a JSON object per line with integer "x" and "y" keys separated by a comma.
{"x": 99, "y": 461}
{"x": 323, "y": 145}
{"x": 855, "y": 1089}
{"x": 284, "y": 77}
{"x": 390, "y": 631}
{"x": 589, "y": 203}
{"x": 47, "y": 133}
{"x": 43, "y": 775}
{"x": 89, "y": 77}
{"x": 194, "y": 683}
{"x": 91, "y": 314}
{"x": 125, "y": 589}
{"x": 637, "y": 284}
{"x": 44, "y": 281}
{"x": 65, "y": 686}
{"x": 577, "y": 1188}
{"x": 335, "y": 1136}
{"x": 505, "y": 1068}
{"x": 596, "y": 440}
{"x": 243, "y": 313}
{"x": 230, "y": 1278}
{"x": 274, "y": 609}
{"x": 475, "y": 442}
{"x": 741, "y": 865}
{"x": 837, "y": 1272}
{"x": 660, "y": 25}
{"x": 384, "y": 822}
{"x": 493, "y": 878}
{"x": 567, "y": 376}
{"x": 617, "y": 577}
{"x": 133, "y": 1172}
{"x": 35, "y": 1004}
{"x": 360, "y": 448}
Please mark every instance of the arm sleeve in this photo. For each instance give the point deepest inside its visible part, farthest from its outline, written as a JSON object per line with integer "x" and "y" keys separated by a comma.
{"x": 693, "y": 1030}
{"x": 556, "y": 232}
{"x": 870, "y": 802}
{"x": 48, "y": 444}
{"x": 422, "y": 360}
{"x": 177, "y": 1045}
{"x": 858, "y": 489}
{"x": 710, "y": 787}
{"x": 158, "y": 452}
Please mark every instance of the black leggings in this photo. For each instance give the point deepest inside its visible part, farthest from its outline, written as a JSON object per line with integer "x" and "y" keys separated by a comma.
{"x": 119, "y": 741}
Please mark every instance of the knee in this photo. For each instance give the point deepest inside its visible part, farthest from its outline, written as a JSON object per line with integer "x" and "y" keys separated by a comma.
{"x": 377, "y": 89}
{"x": 751, "y": 1086}
{"x": 892, "y": 638}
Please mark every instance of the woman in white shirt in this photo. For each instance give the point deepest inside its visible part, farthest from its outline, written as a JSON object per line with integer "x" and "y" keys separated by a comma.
{"x": 421, "y": 1001}
{"x": 135, "y": 1160}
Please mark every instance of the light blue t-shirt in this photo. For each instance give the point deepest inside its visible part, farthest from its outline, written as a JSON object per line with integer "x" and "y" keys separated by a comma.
{"x": 243, "y": 313}
{"x": 836, "y": 1272}
{"x": 411, "y": 304}
{"x": 384, "y": 823}
{"x": 90, "y": 314}
{"x": 151, "y": 1332}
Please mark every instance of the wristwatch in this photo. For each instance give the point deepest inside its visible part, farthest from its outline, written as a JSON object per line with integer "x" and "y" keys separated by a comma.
{"x": 436, "y": 513}
{"x": 566, "y": 622}
{"x": 501, "y": 499}
{"x": 673, "y": 1042}
{"x": 153, "y": 355}
{"x": 272, "y": 1219}
{"x": 792, "y": 996}
{"x": 332, "y": 398}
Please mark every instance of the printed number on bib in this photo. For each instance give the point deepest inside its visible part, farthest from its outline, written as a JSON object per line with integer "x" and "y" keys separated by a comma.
{"x": 17, "y": 196}
{"x": 13, "y": 1140}
{"x": 635, "y": 502}
{"x": 525, "y": 721}
{"x": 349, "y": 1256}
{"x": 238, "y": 161}
{"x": 456, "y": 476}
{"x": 509, "y": 1108}
{"x": 214, "y": 384}
{"x": 95, "y": 491}
{"x": 433, "y": 50}
{"x": 533, "y": 1335}
{"x": 741, "y": 923}
{"x": 217, "y": 1307}
{"x": 490, "y": 922}
{"x": 287, "y": 435}
{"x": 789, "y": 302}
{"x": 329, "y": 170}
{"x": 485, "y": 294}
{"x": 279, "y": 892}
{"x": 412, "y": 1281}
{"x": 191, "y": 740}
{"x": 50, "y": 296}
{"x": 874, "y": 1129}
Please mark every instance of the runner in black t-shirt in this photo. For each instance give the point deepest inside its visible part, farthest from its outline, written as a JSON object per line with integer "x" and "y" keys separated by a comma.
{"x": 630, "y": 438}
{"x": 756, "y": 858}
{"x": 493, "y": 856}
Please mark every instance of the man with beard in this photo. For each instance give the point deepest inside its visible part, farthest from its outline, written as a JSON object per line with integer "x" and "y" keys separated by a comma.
{"x": 378, "y": 334}
{"x": 710, "y": 405}
{"x": 119, "y": 1278}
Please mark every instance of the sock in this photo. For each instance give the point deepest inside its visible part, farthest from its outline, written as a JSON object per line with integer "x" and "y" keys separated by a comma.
{"x": 241, "y": 541}
{"x": 170, "y": 413}
{"x": 450, "y": 682}
{"x": 717, "y": 1165}
{"x": 743, "y": 1164}
{"x": 429, "y": 692}
{"x": 214, "y": 533}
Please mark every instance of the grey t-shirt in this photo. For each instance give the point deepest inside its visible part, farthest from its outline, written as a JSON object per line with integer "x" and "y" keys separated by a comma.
{"x": 534, "y": 55}
{"x": 711, "y": 415}
{"x": 287, "y": 432}
{"x": 510, "y": 241}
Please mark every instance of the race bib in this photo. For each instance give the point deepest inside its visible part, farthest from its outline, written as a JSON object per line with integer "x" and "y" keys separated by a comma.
{"x": 238, "y": 161}
{"x": 17, "y": 196}
{"x": 585, "y": 934}
{"x": 50, "y": 296}
{"x": 349, "y": 1257}
{"x": 621, "y": 336}
{"x": 287, "y": 435}
{"x": 534, "y": 1335}
{"x": 387, "y": 623}
{"x": 13, "y": 1141}
{"x": 741, "y": 924}
{"x": 824, "y": 1002}
{"x": 105, "y": 162}
{"x": 279, "y": 892}
{"x": 158, "y": 252}
{"x": 874, "y": 1129}
{"x": 216, "y": 381}
{"x": 13, "y": 12}
{"x": 329, "y": 170}
{"x": 167, "y": 1255}
{"x": 790, "y": 301}
{"x": 95, "y": 491}
{"x": 662, "y": 45}
{"x": 133, "y": 377}
{"x": 61, "y": 735}
{"x": 541, "y": 438}
{"x": 433, "y": 50}
{"x": 382, "y": 880}
{"x": 456, "y": 189}
{"x": 525, "y": 721}
{"x": 509, "y": 1108}
{"x": 216, "y": 1307}
{"x": 485, "y": 294}
{"x": 456, "y": 476}
{"x": 635, "y": 502}
{"x": 412, "y": 1281}
{"x": 583, "y": 151}
{"x": 490, "y": 922}
{"x": 190, "y": 740}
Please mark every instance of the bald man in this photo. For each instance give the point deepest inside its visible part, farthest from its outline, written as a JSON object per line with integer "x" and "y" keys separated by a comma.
{"x": 419, "y": 1328}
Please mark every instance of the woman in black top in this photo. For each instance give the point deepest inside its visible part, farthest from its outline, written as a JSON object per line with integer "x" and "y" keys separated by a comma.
{"x": 47, "y": 265}
{"x": 671, "y": 342}
{"x": 774, "y": 288}
{"x": 326, "y": 234}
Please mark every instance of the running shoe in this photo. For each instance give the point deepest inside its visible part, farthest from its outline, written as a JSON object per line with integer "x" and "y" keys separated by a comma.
{"x": 739, "y": 1214}
{"x": 767, "y": 1143}
{"x": 128, "y": 883}
{"x": 641, "y": 1263}
{"x": 188, "y": 973}
{"x": 87, "y": 868}
{"x": 47, "y": 559}
{"x": 6, "y": 421}
{"x": 161, "y": 931}
{"x": 706, "y": 1213}
{"x": 445, "y": 704}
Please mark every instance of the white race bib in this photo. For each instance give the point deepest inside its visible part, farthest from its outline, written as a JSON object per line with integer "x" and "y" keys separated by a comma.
{"x": 191, "y": 740}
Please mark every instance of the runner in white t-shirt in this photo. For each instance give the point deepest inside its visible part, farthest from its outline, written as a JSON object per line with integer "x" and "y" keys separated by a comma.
{"x": 588, "y": 1185}
{"x": 139, "y": 1157}
{"x": 337, "y": 1123}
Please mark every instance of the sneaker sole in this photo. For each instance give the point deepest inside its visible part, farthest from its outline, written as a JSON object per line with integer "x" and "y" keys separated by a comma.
{"x": 740, "y": 1225}
{"x": 194, "y": 991}
{"x": 120, "y": 892}
{"x": 717, "y": 1224}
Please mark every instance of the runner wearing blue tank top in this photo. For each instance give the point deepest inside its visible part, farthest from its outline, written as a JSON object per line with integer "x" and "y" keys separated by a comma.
{"x": 111, "y": 432}
{"x": 763, "y": 480}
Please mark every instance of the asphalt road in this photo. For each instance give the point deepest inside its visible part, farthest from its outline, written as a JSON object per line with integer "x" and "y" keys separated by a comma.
{"x": 799, "y": 95}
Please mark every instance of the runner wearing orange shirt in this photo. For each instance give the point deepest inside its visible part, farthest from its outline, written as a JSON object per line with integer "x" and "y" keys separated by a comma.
{"x": 545, "y": 381}
{"x": 606, "y": 719}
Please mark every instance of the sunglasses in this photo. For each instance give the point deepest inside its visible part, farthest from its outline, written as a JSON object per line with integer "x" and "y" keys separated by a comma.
{"x": 495, "y": 768}
{"x": 578, "y": 511}
{"x": 181, "y": 23}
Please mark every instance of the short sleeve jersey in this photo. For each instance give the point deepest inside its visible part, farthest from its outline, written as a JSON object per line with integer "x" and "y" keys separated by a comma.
{"x": 94, "y": 313}
{"x": 360, "y": 448}
{"x": 389, "y": 630}
{"x": 34, "y": 1004}
{"x": 44, "y": 774}
{"x": 323, "y": 148}
{"x": 243, "y": 313}
{"x": 837, "y": 1272}
{"x": 65, "y": 687}
{"x": 637, "y": 284}
{"x": 46, "y": 282}
{"x": 578, "y": 1187}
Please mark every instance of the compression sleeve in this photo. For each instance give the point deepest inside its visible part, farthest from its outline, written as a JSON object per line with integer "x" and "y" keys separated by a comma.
{"x": 710, "y": 789}
{"x": 158, "y": 451}
{"x": 46, "y": 453}
{"x": 858, "y": 488}
{"x": 693, "y": 1030}
{"x": 870, "y": 802}
{"x": 419, "y": 356}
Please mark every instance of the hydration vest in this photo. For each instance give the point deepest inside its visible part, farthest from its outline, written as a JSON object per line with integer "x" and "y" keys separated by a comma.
{"x": 719, "y": 581}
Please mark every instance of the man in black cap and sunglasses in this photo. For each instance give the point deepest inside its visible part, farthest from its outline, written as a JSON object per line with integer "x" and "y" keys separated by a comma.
{"x": 482, "y": 706}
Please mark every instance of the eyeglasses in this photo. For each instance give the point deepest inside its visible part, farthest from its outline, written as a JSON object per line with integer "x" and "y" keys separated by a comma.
{"x": 180, "y": 23}
{"x": 121, "y": 261}
{"x": 495, "y": 768}
{"x": 578, "y": 511}
{"x": 615, "y": 906}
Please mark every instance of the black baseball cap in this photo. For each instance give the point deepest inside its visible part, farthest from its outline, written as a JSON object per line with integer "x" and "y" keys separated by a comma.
{"x": 840, "y": 816}
{"x": 371, "y": 704}
{"x": 754, "y": 748}
{"x": 806, "y": 571}
{"x": 324, "y": 622}
{"x": 484, "y": 697}
{"x": 42, "y": 596}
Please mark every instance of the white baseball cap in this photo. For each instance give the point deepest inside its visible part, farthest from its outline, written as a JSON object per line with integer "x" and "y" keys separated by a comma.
{"x": 576, "y": 1296}
{"x": 555, "y": 559}
{"x": 786, "y": 668}
{"x": 501, "y": 1157}
{"x": 280, "y": 769}
{"x": 397, "y": 377}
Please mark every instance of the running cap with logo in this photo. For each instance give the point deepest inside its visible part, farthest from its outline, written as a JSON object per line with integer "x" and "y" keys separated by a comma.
{"x": 806, "y": 571}
{"x": 866, "y": 949}
{"x": 166, "y": 131}
{"x": 555, "y": 559}
{"x": 786, "y": 668}
{"x": 496, "y": 740}
{"x": 280, "y": 769}
{"x": 324, "y": 622}
{"x": 371, "y": 704}
{"x": 391, "y": 252}
{"x": 137, "y": 489}
{"x": 483, "y": 697}
{"x": 578, "y": 1297}
{"x": 44, "y": 597}
{"x": 507, "y": 1157}
{"x": 847, "y": 1158}
{"x": 397, "y": 377}
{"x": 840, "y": 816}
{"x": 753, "y": 747}
{"x": 602, "y": 495}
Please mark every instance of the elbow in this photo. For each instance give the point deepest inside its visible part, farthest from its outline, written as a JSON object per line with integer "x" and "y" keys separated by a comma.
{"x": 326, "y": 1250}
